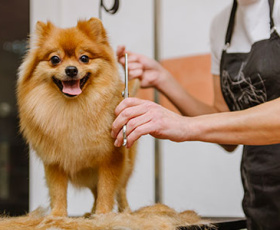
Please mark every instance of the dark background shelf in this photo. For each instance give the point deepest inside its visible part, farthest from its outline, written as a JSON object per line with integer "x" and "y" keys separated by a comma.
{"x": 14, "y": 166}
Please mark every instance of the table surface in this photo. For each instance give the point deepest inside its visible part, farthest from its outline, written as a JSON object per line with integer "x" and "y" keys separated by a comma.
{"x": 220, "y": 223}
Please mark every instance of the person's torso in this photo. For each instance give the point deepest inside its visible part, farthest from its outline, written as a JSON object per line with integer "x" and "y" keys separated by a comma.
{"x": 251, "y": 25}
{"x": 251, "y": 78}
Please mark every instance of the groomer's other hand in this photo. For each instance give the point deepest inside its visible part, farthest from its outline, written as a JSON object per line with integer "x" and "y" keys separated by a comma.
{"x": 146, "y": 117}
{"x": 149, "y": 71}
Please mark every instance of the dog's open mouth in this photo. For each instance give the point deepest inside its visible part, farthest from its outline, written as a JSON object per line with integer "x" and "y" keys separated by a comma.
{"x": 71, "y": 88}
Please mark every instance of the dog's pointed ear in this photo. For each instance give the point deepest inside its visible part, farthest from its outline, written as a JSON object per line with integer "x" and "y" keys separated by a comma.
{"x": 43, "y": 29}
{"x": 94, "y": 29}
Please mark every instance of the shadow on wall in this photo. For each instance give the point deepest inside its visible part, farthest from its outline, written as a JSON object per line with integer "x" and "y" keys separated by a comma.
{"x": 193, "y": 73}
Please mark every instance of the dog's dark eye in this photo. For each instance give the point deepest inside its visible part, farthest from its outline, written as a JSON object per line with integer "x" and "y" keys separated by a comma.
{"x": 55, "y": 60}
{"x": 84, "y": 59}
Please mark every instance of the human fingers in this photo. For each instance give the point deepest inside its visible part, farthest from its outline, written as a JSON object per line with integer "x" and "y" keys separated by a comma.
{"x": 145, "y": 123}
{"x": 135, "y": 70}
{"x": 131, "y": 125}
{"x": 125, "y": 111}
{"x": 137, "y": 73}
{"x": 131, "y": 58}
{"x": 139, "y": 131}
{"x": 120, "y": 51}
{"x": 134, "y": 65}
{"x": 128, "y": 102}
{"x": 122, "y": 119}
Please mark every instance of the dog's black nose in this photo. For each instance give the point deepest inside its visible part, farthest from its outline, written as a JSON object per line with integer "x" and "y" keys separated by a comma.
{"x": 71, "y": 71}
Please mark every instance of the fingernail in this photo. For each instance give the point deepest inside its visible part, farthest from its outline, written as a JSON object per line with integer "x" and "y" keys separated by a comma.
{"x": 116, "y": 143}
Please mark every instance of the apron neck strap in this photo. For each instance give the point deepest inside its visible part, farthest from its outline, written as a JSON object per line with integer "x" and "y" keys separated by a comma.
{"x": 232, "y": 17}
{"x": 231, "y": 23}
{"x": 271, "y": 4}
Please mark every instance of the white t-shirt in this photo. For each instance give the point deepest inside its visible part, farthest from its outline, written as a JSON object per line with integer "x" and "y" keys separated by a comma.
{"x": 252, "y": 23}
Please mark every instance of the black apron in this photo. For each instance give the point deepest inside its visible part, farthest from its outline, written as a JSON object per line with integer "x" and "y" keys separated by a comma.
{"x": 247, "y": 80}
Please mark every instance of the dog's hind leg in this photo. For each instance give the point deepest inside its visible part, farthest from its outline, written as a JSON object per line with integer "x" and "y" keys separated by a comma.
{"x": 57, "y": 182}
{"x": 93, "y": 210}
{"x": 122, "y": 200}
{"x": 123, "y": 205}
{"x": 94, "y": 193}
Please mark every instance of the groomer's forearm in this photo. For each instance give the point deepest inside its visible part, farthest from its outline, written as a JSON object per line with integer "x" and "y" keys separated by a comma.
{"x": 259, "y": 125}
{"x": 184, "y": 102}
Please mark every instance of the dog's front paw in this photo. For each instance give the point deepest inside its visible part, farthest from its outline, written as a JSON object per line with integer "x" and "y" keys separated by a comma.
{"x": 58, "y": 213}
{"x": 87, "y": 215}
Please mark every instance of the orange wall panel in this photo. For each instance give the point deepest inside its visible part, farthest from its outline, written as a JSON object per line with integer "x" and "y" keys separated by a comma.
{"x": 194, "y": 75}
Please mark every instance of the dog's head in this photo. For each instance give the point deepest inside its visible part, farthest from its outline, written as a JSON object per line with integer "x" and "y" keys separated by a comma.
{"x": 69, "y": 60}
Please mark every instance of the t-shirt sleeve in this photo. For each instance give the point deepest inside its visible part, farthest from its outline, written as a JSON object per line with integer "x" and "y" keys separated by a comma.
{"x": 215, "y": 56}
{"x": 217, "y": 38}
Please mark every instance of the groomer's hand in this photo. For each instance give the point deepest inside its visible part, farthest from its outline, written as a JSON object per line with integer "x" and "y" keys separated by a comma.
{"x": 149, "y": 71}
{"x": 146, "y": 117}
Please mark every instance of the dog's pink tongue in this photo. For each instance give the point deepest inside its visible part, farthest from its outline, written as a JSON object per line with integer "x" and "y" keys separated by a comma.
{"x": 71, "y": 87}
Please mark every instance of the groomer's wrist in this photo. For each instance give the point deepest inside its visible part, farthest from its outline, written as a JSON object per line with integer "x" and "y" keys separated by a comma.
{"x": 163, "y": 81}
{"x": 191, "y": 129}
{"x": 198, "y": 128}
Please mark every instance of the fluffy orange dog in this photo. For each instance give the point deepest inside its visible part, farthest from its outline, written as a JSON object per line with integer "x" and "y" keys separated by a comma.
{"x": 68, "y": 89}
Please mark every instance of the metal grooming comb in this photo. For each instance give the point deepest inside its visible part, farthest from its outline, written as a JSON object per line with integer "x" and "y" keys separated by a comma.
{"x": 125, "y": 95}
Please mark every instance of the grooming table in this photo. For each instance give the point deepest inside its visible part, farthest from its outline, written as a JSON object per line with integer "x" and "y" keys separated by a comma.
{"x": 220, "y": 224}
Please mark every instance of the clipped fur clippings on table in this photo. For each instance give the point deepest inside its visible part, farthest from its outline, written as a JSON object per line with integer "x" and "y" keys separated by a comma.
{"x": 155, "y": 217}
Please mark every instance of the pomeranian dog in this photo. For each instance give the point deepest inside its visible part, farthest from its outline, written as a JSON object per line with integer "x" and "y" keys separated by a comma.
{"x": 67, "y": 90}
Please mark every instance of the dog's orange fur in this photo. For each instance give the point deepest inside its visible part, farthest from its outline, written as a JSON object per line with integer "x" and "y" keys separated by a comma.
{"x": 71, "y": 135}
{"x": 158, "y": 216}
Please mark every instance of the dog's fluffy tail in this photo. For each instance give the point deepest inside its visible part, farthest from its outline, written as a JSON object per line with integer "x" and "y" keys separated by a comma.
{"x": 133, "y": 86}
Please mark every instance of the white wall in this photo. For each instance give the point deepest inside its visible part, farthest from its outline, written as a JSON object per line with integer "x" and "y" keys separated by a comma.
{"x": 186, "y": 25}
{"x": 198, "y": 176}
